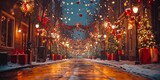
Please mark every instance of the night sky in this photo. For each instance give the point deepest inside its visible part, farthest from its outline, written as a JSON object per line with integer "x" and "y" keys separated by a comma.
{"x": 78, "y": 11}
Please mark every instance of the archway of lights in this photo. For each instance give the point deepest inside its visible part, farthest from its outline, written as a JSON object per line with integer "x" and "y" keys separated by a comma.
{"x": 77, "y": 25}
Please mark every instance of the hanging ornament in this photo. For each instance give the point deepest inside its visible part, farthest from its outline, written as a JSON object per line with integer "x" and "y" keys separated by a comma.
{"x": 47, "y": 28}
{"x": 132, "y": 18}
{"x": 114, "y": 32}
{"x": 119, "y": 36}
{"x": 80, "y": 15}
{"x": 150, "y": 2}
{"x": 107, "y": 19}
{"x": 145, "y": 40}
{"x": 78, "y": 2}
{"x": 139, "y": 1}
{"x": 128, "y": 11}
{"x": 91, "y": 1}
{"x": 40, "y": 32}
{"x": 45, "y": 21}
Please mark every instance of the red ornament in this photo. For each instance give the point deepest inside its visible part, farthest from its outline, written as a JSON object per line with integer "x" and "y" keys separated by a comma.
{"x": 114, "y": 32}
{"x": 139, "y": 1}
{"x": 128, "y": 11}
{"x": 78, "y": 2}
{"x": 47, "y": 28}
{"x": 150, "y": 2}
{"x": 80, "y": 15}
{"x": 119, "y": 36}
{"x": 54, "y": 31}
{"x": 145, "y": 40}
{"x": 45, "y": 21}
{"x": 132, "y": 18}
{"x": 40, "y": 32}
{"x": 107, "y": 19}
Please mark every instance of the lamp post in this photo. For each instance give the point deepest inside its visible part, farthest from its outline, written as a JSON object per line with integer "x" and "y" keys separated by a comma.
{"x": 67, "y": 45}
{"x": 104, "y": 37}
{"x": 117, "y": 55}
{"x": 135, "y": 10}
{"x": 27, "y": 8}
{"x": 102, "y": 40}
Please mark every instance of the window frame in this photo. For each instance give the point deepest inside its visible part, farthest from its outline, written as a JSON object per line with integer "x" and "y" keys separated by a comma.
{"x": 8, "y": 17}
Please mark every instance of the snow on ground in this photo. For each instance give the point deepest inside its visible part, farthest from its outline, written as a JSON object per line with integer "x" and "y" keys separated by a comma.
{"x": 149, "y": 70}
{"x": 12, "y": 66}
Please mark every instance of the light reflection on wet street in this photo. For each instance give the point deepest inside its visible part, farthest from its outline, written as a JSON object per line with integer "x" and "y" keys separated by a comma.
{"x": 74, "y": 69}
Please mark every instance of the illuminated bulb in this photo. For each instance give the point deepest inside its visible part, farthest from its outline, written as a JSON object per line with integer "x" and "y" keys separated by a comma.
{"x": 19, "y": 30}
{"x": 71, "y": 12}
{"x": 106, "y": 24}
{"x": 71, "y": 3}
{"x": 102, "y": 19}
{"x": 37, "y": 25}
{"x": 100, "y": 16}
{"x": 63, "y": 2}
{"x": 69, "y": 19}
{"x": 104, "y": 36}
{"x": 108, "y": 8}
{"x": 113, "y": 2}
{"x": 113, "y": 26}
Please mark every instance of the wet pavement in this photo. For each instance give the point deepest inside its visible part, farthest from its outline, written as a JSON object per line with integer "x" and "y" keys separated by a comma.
{"x": 74, "y": 69}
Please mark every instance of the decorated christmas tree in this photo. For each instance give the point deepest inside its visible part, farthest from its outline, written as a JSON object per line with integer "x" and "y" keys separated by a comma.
{"x": 145, "y": 32}
{"x": 112, "y": 44}
{"x": 54, "y": 48}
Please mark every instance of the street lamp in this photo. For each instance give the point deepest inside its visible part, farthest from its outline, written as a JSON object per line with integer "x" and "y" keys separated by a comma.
{"x": 135, "y": 10}
{"x": 37, "y": 26}
{"x": 104, "y": 37}
{"x": 27, "y": 8}
{"x": 117, "y": 56}
{"x": 67, "y": 45}
{"x": 104, "y": 43}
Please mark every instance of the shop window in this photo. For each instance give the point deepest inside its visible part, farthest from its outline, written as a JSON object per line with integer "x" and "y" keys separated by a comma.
{"x": 6, "y": 31}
